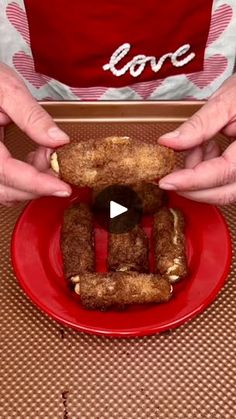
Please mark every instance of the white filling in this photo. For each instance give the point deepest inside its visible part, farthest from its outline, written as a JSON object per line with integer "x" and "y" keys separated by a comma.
{"x": 123, "y": 269}
{"x": 76, "y": 280}
{"x": 77, "y": 288}
{"x": 175, "y": 237}
{"x": 54, "y": 163}
{"x": 173, "y": 278}
{"x": 118, "y": 140}
{"x": 177, "y": 263}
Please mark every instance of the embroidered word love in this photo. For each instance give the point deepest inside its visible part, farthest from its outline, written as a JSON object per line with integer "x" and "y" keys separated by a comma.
{"x": 138, "y": 62}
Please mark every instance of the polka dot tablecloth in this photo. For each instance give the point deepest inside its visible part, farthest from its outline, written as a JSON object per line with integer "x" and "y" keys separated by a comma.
{"x": 52, "y": 372}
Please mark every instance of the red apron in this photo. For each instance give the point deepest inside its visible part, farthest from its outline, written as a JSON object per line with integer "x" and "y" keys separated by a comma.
{"x": 116, "y": 43}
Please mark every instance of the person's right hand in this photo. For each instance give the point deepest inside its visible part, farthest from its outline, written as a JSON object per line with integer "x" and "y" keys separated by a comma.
{"x": 21, "y": 181}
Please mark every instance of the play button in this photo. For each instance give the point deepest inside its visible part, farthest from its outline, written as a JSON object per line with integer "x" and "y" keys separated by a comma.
{"x": 117, "y": 208}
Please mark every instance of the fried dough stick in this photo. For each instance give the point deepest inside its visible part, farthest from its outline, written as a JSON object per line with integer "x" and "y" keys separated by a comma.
{"x": 119, "y": 289}
{"x": 128, "y": 251}
{"x": 151, "y": 195}
{"x": 77, "y": 242}
{"x": 169, "y": 244}
{"x": 112, "y": 160}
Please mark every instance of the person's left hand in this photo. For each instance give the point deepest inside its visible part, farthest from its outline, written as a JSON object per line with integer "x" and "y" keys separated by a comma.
{"x": 208, "y": 176}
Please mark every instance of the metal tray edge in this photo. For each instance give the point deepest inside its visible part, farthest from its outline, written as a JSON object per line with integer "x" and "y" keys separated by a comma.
{"x": 122, "y": 111}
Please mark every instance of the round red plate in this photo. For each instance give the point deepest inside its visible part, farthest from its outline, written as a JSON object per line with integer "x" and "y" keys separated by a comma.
{"x": 37, "y": 263}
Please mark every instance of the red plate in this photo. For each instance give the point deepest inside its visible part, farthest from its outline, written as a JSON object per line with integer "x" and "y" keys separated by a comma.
{"x": 37, "y": 263}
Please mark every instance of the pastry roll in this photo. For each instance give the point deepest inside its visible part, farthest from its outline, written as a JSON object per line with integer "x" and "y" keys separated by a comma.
{"x": 119, "y": 289}
{"x": 151, "y": 195}
{"x": 112, "y": 160}
{"x": 169, "y": 244}
{"x": 77, "y": 242}
{"x": 128, "y": 251}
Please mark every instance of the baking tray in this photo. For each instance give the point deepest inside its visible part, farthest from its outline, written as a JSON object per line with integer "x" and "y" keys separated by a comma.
{"x": 52, "y": 372}
{"x": 172, "y": 111}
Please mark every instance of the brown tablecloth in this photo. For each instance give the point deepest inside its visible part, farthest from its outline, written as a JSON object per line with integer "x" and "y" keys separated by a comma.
{"x": 52, "y": 372}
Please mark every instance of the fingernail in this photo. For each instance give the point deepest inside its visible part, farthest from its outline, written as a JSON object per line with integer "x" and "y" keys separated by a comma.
{"x": 57, "y": 134}
{"x": 167, "y": 186}
{"x": 61, "y": 194}
{"x": 171, "y": 134}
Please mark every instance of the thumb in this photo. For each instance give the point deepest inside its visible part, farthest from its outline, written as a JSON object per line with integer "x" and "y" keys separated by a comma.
{"x": 17, "y": 102}
{"x": 202, "y": 126}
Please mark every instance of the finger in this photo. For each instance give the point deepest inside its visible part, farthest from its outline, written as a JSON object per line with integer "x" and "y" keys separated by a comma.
{"x": 230, "y": 129}
{"x": 222, "y": 195}
{"x": 8, "y": 195}
{"x": 207, "y": 174}
{"x": 52, "y": 172}
{"x": 199, "y": 153}
{"x": 40, "y": 158}
{"x": 211, "y": 151}
{"x": 226, "y": 85}
{"x": 203, "y": 125}
{"x": 30, "y": 157}
{"x": 4, "y": 119}
{"x": 193, "y": 157}
{"x": 17, "y": 102}
{"x": 20, "y": 175}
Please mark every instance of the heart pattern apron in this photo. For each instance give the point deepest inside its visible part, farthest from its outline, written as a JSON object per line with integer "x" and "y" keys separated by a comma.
{"x": 115, "y": 50}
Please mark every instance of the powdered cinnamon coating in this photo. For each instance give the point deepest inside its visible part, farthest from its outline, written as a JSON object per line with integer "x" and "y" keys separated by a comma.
{"x": 113, "y": 160}
{"x": 128, "y": 251}
{"x": 77, "y": 240}
{"x": 119, "y": 289}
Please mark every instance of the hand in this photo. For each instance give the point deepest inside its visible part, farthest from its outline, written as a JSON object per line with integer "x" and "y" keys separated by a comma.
{"x": 209, "y": 176}
{"x": 20, "y": 181}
